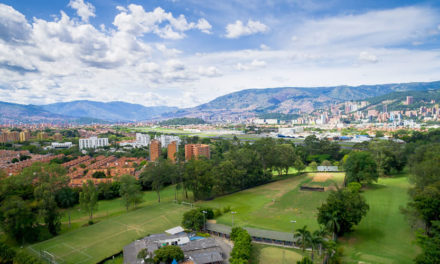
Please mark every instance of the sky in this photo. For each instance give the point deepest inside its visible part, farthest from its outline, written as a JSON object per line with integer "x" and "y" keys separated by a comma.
{"x": 187, "y": 52}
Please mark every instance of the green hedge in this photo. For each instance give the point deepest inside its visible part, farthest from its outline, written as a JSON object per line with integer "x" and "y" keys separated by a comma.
{"x": 242, "y": 246}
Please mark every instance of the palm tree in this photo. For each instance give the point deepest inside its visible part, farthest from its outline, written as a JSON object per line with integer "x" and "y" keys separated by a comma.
{"x": 333, "y": 224}
{"x": 304, "y": 235}
{"x": 330, "y": 250}
{"x": 323, "y": 233}
{"x": 315, "y": 240}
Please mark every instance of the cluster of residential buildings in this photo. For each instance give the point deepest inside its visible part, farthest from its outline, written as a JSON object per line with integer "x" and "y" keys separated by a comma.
{"x": 83, "y": 168}
{"x": 10, "y": 167}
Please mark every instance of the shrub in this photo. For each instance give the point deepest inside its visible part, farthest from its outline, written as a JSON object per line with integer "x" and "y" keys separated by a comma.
{"x": 242, "y": 245}
{"x": 168, "y": 253}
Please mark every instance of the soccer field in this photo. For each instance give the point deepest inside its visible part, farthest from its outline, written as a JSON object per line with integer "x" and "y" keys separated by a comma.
{"x": 108, "y": 237}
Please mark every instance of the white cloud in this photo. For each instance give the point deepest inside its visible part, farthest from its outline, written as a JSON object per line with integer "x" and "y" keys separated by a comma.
{"x": 136, "y": 21}
{"x": 13, "y": 25}
{"x": 368, "y": 57}
{"x": 239, "y": 29}
{"x": 250, "y": 66}
{"x": 374, "y": 28}
{"x": 83, "y": 9}
{"x": 63, "y": 59}
{"x": 264, "y": 47}
{"x": 204, "y": 26}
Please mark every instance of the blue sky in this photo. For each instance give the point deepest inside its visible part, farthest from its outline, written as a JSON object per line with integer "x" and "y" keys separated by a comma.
{"x": 186, "y": 52}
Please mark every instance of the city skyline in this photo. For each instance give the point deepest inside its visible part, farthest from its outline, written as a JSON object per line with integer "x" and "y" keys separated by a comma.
{"x": 184, "y": 53}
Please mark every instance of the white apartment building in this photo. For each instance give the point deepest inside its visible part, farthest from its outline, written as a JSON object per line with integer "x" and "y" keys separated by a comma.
{"x": 165, "y": 140}
{"x": 142, "y": 140}
{"x": 92, "y": 142}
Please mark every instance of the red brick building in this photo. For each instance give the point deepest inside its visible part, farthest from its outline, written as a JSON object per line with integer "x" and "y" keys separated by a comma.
{"x": 155, "y": 150}
{"x": 172, "y": 151}
{"x": 194, "y": 151}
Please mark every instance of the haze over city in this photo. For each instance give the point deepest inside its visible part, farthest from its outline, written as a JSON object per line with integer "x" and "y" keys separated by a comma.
{"x": 184, "y": 53}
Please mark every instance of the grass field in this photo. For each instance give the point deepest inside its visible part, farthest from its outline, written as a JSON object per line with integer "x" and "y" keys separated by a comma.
{"x": 114, "y": 228}
{"x": 96, "y": 242}
{"x": 111, "y": 208}
{"x": 271, "y": 254}
{"x": 273, "y": 205}
{"x": 384, "y": 235}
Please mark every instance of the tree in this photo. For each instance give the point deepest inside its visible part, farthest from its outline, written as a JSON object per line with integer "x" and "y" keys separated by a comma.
{"x": 49, "y": 178}
{"x": 389, "y": 156}
{"x": 99, "y": 174}
{"x": 88, "y": 198}
{"x": 199, "y": 178}
{"x": 313, "y": 165}
{"x": 305, "y": 260}
{"x": 167, "y": 254}
{"x": 17, "y": 218}
{"x": 304, "y": 236}
{"x": 130, "y": 191}
{"x": 342, "y": 210}
{"x": 426, "y": 201}
{"x": 193, "y": 219}
{"x": 158, "y": 174}
{"x": 265, "y": 147}
{"x": 315, "y": 240}
{"x": 430, "y": 245}
{"x": 66, "y": 197}
{"x": 360, "y": 167}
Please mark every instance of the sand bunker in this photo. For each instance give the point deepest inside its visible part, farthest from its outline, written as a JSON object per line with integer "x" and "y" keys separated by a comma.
{"x": 322, "y": 177}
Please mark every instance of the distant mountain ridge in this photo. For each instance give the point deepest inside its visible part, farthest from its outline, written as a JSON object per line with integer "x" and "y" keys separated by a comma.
{"x": 250, "y": 102}
{"x": 290, "y": 99}
{"x": 111, "y": 111}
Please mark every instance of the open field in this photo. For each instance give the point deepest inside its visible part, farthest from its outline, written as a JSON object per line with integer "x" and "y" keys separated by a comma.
{"x": 273, "y": 205}
{"x": 272, "y": 254}
{"x": 111, "y": 208}
{"x": 96, "y": 242}
{"x": 384, "y": 235}
{"x": 113, "y": 229}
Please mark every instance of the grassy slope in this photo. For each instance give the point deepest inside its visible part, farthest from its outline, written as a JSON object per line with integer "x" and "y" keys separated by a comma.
{"x": 107, "y": 237}
{"x": 273, "y": 205}
{"x": 384, "y": 235}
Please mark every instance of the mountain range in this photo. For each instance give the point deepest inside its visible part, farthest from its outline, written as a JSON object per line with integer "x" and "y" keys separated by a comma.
{"x": 286, "y": 100}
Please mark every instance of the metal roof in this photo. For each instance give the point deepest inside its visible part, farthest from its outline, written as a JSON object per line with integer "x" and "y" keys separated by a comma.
{"x": 207, "y": 257}
{"x": 254, "y": 232}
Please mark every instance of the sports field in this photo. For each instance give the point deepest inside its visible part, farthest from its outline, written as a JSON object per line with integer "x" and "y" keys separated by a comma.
{"x": 94, "y": 243}
{"x": 114, "y": 228}
{"x": 272, "y": 254}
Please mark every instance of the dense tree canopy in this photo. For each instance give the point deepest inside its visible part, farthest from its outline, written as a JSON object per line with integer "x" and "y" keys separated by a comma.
{"x": 360, "y": 167}
{"x": 343, "y": 209}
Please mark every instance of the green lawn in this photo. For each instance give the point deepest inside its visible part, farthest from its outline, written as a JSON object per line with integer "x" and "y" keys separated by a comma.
{"x": 384, "y": 235}
{"x": 273, "y": 205}
{"x": 94, "y": 243}
{"x": 111, "y": 208}
{"x": 114, "y": 229}
{"x": 271, "y": 254}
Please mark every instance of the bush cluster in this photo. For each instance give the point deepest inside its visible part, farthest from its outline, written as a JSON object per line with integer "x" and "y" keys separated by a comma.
{"x": 241, "y": 252}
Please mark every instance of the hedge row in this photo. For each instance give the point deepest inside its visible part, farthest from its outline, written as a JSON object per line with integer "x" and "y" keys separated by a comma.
{"x": 241, "y": 252}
